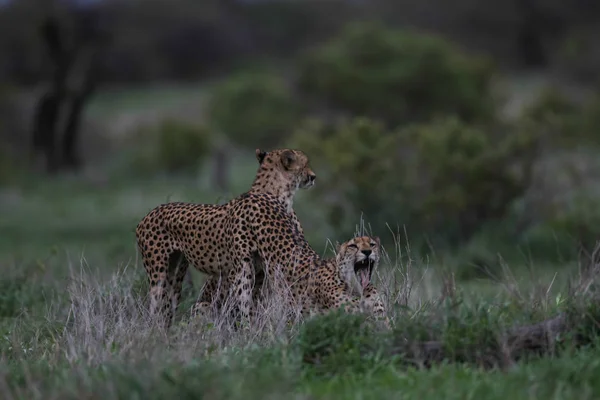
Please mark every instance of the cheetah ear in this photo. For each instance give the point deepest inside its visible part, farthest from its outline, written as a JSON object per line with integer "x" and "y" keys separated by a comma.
{"x": 287, "y": 158}
{"x": 260, "y": 155}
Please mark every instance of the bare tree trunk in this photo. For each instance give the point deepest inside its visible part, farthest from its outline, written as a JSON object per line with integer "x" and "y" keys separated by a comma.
{"x": 45, "y": 127}
{"x": 47, "y": 131}
{"x": 537, "y": 25}
{"x": 72, "y": 127}
{"x": 49, "y": 106}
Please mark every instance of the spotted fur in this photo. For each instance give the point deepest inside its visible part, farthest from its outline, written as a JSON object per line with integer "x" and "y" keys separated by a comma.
{"x": 225, "y": 241}
{"x": 332, "y": 282}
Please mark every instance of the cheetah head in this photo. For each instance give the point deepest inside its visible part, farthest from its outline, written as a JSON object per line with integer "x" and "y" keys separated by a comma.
{"x": 290, "y": 165}
{"x": 356, "y": 260}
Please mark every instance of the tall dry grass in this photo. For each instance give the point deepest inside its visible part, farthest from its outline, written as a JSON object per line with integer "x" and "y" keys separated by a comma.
{"x": 109, "y": 319}
{"x": 98, "y": 322}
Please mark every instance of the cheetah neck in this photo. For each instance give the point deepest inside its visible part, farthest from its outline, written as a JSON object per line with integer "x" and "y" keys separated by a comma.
{"x": 276, "y": 184}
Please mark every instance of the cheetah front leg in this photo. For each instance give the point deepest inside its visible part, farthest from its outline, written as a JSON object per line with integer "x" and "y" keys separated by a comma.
{"x": 215, "y": 289}
{"x": 372, "y": 302}
{"x": 213, "y": 294}
{"x": 341, "y": 299}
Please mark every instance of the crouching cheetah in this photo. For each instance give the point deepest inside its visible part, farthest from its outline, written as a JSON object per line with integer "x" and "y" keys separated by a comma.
{"x": 349, "y": 271}
{"x": 223, "y": 240}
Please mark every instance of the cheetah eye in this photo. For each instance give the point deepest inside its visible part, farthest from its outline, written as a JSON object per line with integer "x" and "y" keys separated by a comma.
{"x": 373, "y": 244}
{"x": 352, "y": 246}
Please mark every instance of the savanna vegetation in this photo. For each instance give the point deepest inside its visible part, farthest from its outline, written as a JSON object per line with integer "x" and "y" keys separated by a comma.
{"x": 469, "y": 148}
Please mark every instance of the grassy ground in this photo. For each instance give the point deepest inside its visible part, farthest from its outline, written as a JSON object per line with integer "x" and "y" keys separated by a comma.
{"x": 73, "y": 321}
{"x": 74, "y": 325}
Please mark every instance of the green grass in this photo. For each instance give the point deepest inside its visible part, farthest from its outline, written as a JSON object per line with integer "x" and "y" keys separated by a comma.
{"x": 571, "y": 377}
{"x": 73, "y": 322}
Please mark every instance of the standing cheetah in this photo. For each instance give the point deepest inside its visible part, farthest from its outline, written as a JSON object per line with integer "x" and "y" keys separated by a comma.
{"x": 215, "y": 238}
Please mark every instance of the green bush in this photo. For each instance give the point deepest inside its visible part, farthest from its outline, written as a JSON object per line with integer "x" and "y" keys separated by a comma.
{"x": 577, "y": 56}
{"x": 444, "y": 178}
{"x": 468, "y": 174}
{"x": 552, "y": 116}
{"x": 253, "y": 109}
{"x": 591, "y": 120}
{"x": 172, "y": 147}
{"x": 562, "y": 122}
{"x": 354, "y": 158}
{"x": 338, "y": 342}
{"x": 577, "y": 226}
{"x": 7, "y": 168}
{"x": 562, "y": 209}
{"x": 19, "y": 295}
{"x": 398, "y": 76}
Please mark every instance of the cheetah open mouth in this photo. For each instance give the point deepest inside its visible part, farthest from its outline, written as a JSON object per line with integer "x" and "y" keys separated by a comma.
{"x": 363, "y": 269}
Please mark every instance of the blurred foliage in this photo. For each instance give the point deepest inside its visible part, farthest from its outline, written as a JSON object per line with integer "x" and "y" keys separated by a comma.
{"x": 467, "y": 183}
{"x": 282, "y": 27}
{"x": 172, "y": 146}
{"x": 12, "y": 138}
{"x": 200, "y": 38}
{"x": 18, "y": 296}
{"x": 253, "y": 109}
{"x": 561, "y": 120}
{"x": 419, "y": 142}
{"x": 443, "y": 178}
{"x": 196, "y": 39}
{"x": 355, "y": 158}
{"x": 577, "y": 227}
{"x": 466, "y": 175}
{"x": 550, "y": 105}
{"x": 566, "y": 132}
{"x": 554, "y": 118}
{"x": 399, "y": 76}
{"x": 8, "y": 168}
{"x": 577, "y": 56}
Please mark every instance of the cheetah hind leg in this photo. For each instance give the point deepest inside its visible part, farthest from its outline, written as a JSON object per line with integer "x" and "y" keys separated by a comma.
{"x": 165, "y": 292}
{"x": 159, "y": 287}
